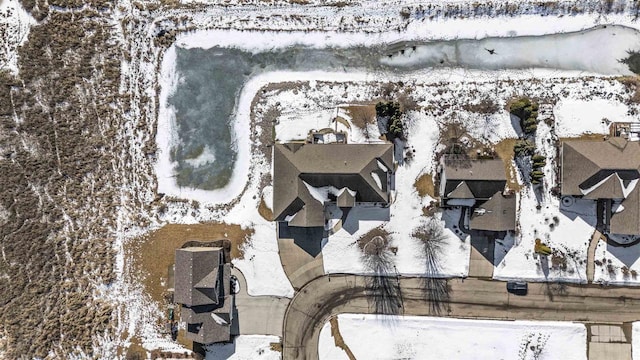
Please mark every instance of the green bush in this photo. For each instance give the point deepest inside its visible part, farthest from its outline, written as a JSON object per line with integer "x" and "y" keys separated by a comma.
{"x": 524, "y": 148}
{"x": 527, "y": 112}
{"x": 395, "y": 126}
{"x": 539, "y": 158}
{"x": 388, "y": 109}
{"x": 536, "y": 176}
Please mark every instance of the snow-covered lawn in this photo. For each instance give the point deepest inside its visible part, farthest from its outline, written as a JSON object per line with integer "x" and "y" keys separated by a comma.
{"x": 617, "y": 264}
{"x": 567, "y": 230}
{"x": 341, "y": 253}
{"x": 245, "y": 347}
{"x": 575, "y": 117}
{"x": 413, "y": 337}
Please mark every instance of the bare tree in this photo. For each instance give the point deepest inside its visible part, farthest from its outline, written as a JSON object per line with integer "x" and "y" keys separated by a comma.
{"x": 456, "y": 150}
{"x": 431, "y": 236}
{"x": 362, "y": 116}
{"x": 383, "y": 286}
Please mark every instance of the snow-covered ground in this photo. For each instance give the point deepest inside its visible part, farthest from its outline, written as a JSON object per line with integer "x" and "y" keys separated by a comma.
{"x": 566, "y": 227}
{"x": 575, "y": 117}
{"x": 617, "y": 264}
{"x": 245, "y": 347}
{"x": 635, "y": 340}
{"x": 261, "y": 264}
{"x": 15, "y": 23}
{"x": 567, "y": 230}
{"x": 412, "y": 337}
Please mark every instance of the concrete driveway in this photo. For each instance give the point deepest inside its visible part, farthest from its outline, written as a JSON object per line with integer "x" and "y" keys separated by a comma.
{"x": 257, "y": 315}
{"x": 481, "y": 260}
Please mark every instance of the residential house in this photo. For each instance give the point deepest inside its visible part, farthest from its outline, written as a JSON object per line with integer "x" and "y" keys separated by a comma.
{"x": 308, "y": 177}
{"x": 202, "y": 287}
{"x": 606, "y": 172}
{"x": 478, "y": 186}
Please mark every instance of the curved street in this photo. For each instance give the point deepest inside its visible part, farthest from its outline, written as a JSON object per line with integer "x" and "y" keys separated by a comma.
{"x": 326, "y": 296}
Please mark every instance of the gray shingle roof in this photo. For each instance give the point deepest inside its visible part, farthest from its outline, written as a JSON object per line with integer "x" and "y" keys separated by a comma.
{"x": 318, "y": 165}
{"x": 196, "y": 275}
{"x": 203, "y": 288}
{"x": 482, "y": 178}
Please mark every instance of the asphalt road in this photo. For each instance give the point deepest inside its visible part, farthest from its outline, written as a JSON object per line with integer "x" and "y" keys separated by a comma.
{"x": 323, "y": 297}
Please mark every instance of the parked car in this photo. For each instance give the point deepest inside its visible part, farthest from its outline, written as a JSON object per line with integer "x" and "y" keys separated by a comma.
{"x": 517, "y": 287}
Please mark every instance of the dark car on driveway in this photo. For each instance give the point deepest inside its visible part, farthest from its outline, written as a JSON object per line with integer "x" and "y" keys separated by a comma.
{"x": 517, "y": 287}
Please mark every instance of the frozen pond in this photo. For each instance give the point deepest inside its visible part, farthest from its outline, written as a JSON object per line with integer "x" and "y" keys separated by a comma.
{"x": 200, "y": 108}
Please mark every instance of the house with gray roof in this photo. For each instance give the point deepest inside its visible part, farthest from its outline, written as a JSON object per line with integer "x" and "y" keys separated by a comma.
{"x": 478, "y": 186}
{"x": 606, "y": 172}
{"x": 202, "y": 287}
{"x": 307, "y": 177}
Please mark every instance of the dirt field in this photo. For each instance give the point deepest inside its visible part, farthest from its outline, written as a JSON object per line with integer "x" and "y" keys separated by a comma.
{"x": 152, "y": 254}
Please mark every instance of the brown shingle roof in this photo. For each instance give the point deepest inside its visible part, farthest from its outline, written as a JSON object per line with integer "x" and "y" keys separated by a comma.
{"x": 298, "y": 165}
{"x": 600, "y": 170}
{"x": 496, "y": 214}
{"x": 461, "y": 191}
{"x": 627, "y": 221}
{"x": 585, "y": 163}
{"x": 482, "y": 178}
{"x": 610, "y": 188}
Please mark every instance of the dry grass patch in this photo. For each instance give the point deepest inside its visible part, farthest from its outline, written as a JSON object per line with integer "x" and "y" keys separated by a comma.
{"x": 589, "y": 137}
{"x": 424, "y": 185}
{"x": 337, "y": 338}
{"x": 366, "y": 238}
{"x": 632, "y": 83}
{"x": 504, "y": 149}
{"x": 135, "y": 351}
{"x": 264, "y": 211}
{"x": 276, "y": 346}
{"x": 362, "y": 115}
{"x": 153, "y": 253}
